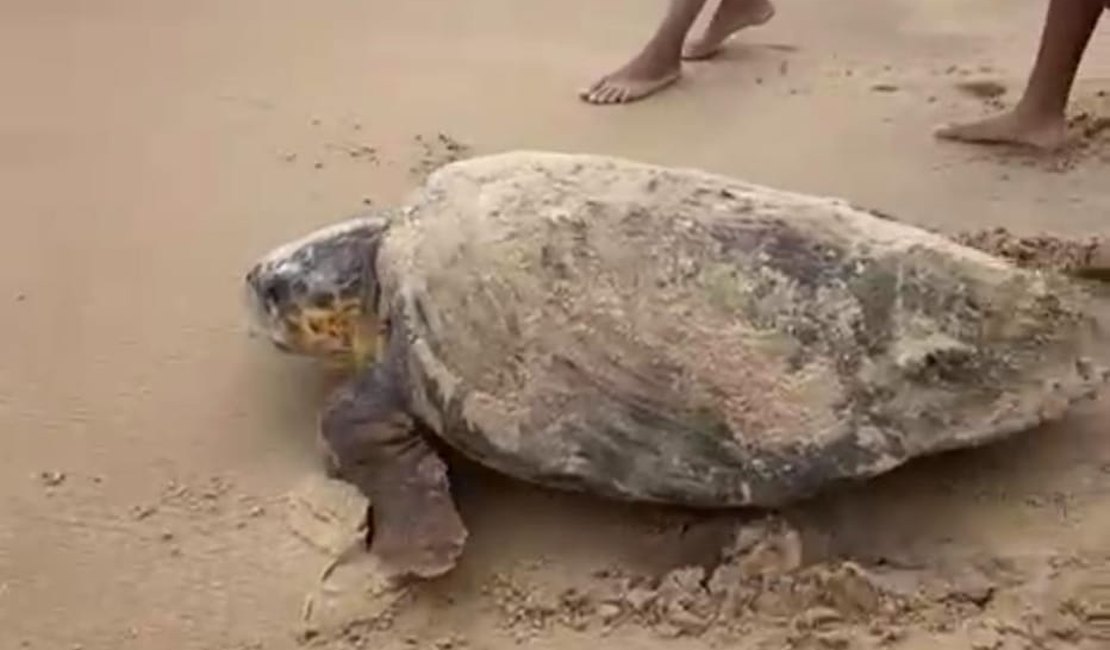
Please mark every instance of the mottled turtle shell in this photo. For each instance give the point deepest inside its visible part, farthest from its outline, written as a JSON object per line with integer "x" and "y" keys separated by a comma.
{"x": 673, "y": 336}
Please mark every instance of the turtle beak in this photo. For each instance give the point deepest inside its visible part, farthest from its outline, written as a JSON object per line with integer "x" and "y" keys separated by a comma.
{"x": 253, "y": 308}
{"x": 258, "y": 323}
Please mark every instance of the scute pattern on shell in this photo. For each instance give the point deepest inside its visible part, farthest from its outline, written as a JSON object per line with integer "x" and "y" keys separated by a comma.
{"x": 671, "y": 335}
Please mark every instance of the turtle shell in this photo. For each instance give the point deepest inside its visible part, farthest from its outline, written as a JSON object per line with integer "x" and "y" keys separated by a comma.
{"x": 670, "y": 335}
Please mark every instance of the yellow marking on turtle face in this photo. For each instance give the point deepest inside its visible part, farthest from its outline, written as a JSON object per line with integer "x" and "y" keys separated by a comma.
{"x": 342, "y": 330}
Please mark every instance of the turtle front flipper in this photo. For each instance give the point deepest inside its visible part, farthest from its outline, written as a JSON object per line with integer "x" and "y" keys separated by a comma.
{"x": 416, "y": 529}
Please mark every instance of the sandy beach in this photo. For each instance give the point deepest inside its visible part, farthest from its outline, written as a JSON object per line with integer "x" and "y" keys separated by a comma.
{"x": 149, "y": 151}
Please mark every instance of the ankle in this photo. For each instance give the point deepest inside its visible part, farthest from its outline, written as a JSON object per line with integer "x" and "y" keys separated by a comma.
{"x": 663, "y": 50}
{"x": 657, "y": 58}
{"x": 734, "y": 7}
{"x": 1032, "y": 111}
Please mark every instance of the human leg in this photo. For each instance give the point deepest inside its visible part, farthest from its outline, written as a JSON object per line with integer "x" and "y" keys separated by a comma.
{"x": 1038, "y": 118}
{"x": 657, "y": 65}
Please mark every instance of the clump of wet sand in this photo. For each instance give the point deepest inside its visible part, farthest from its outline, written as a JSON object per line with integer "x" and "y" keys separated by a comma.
{"x": 1089, "y": 256}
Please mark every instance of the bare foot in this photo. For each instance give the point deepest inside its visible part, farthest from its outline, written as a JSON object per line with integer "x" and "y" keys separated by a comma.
{"x": 731, "y": 17}
{"x": 1013, "y": 128}
{"x": 645, "y": 75}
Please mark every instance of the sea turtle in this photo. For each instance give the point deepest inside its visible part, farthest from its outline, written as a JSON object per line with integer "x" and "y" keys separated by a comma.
{"x": 659, "y": 335}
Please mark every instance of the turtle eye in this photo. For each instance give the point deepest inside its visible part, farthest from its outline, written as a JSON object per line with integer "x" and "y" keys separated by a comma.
{"x": 276, "y": 292}
{"x": 323, "y": 300}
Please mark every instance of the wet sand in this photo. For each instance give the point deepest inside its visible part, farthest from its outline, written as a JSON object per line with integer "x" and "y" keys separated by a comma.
{"x": 150, "y": 150}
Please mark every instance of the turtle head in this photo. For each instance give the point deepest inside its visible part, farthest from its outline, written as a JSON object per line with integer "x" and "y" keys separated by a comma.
{"x": 317, "y": 296}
